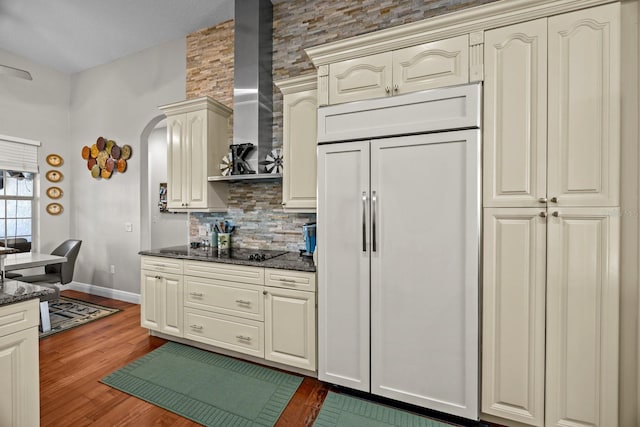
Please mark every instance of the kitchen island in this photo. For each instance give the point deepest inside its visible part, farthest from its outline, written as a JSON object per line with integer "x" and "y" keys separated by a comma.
{"x": 19, "y": 360}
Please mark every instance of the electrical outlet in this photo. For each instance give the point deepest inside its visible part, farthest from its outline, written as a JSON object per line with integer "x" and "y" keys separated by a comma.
{"x": 112, "y": 269}
{"x": 128, "y": 227}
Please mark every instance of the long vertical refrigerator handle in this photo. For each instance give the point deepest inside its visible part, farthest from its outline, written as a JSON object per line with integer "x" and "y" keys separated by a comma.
{"x": 373, "y": 221}
{"x": 364, "y": 221}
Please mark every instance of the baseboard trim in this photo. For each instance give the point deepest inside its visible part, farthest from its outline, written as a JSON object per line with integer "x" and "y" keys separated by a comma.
{"x": 103, "y": 292}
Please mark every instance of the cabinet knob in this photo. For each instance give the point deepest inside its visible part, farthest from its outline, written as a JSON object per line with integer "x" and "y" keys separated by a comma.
{"x": 395, "y": 87}
{"x": 543, "y": 214}
{"x": 554, "y": 200}
{"x": 265, "y": 293}
{"x": 542, "y": 200}
{"x": 284, "y": 203}
{"x": 387, "y": 89}
{"x": 556, "y": 214}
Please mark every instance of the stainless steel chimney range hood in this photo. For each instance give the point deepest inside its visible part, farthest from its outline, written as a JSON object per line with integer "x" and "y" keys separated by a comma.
{"x": 253, "y": 85}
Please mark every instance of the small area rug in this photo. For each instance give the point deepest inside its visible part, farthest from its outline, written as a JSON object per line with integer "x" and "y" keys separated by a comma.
{"x": 207, "y": 388}
{"x": 340, "y": 410}
{"x": 67, "y": 313}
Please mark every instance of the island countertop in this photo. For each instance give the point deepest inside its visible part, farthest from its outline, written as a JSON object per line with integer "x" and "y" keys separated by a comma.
{"x": 285, "y": 261}
{"x": 13, "y": 291}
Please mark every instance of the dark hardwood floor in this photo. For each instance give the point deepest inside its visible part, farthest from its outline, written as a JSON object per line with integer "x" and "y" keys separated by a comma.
{"x": 73, "y": 362}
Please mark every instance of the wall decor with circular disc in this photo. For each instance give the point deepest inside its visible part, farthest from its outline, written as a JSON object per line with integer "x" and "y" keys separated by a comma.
{"x": 54, "y": 160}
{"x": 86, "y": 152}
{"x": 54, "y": 208}
{"x": 101, "y": 143}
{"x": 54, "y": 192}
{"x": 54, "y": 176}
{"x": 126, "y": 151}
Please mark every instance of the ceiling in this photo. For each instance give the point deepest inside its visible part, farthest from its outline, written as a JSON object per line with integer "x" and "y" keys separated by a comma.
{"x": 74, "y": 35}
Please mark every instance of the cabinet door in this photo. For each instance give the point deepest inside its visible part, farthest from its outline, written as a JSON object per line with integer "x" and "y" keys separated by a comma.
{"x": 343, "y": 264}
{"x": 360, "y": 78}
{"x": 513, "y": 311}
{"x": 151, "y": 300}
{"x": 290, "y": 327}
{"x": 196, "y": 160}
{"x": 19, "y": 394}
{"x": 162, "y": 302}
{"x": 176, "y": 134}
{"x": 299, "y": 151}
{"x": 584, "y": 107}
{"x": 425, "y": 234}
{"x": 582, "y": 317}
{"x": 515, "y": 115}
{"x": 431, "y": 65}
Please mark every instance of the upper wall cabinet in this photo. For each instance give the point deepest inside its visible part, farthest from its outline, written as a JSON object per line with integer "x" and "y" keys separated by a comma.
{"x": 426, "y": 66}
{"x": 197, "y": 138}
{"x": 552, "y": 117}
{"x": 300, "y": 103}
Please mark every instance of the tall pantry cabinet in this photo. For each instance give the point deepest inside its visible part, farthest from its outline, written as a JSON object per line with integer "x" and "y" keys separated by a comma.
{"x": 551, "y": 220}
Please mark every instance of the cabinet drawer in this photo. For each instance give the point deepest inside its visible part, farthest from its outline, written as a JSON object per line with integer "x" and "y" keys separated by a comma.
{"x": 19, "y": 316}
{"x": 236, "y": 299}
{"x": 160, "y": 264}
{"x": 228, "y": 272}
{"x": 289, "y": 279}
{"x": 233, "y": 333}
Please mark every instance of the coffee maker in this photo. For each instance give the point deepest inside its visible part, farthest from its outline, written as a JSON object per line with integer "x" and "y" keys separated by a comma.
{"x": 309, "y": 234}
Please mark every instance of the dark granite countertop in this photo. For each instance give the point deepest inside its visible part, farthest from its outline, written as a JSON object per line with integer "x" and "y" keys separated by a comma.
{"x": 12, "y": 291}
{"x": 284, "y": 261}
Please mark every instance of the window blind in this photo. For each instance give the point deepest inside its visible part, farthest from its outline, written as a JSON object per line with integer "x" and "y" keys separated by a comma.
{"x": 17, "y": 154}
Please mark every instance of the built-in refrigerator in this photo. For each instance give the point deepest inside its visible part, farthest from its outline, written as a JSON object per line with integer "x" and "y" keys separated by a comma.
{"x": 398, "y": 241}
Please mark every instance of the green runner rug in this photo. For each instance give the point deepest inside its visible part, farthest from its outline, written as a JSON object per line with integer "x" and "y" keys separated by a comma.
{"x": 340, "y": 410}
{"x": 206, "y": 387}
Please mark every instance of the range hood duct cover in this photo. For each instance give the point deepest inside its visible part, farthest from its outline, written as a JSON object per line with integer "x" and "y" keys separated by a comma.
{"x": 253, "y": 85}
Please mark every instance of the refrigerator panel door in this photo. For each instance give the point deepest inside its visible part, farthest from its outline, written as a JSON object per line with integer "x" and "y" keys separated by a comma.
{"x": 424, "y": 272}
{"x": 343, "y": 264}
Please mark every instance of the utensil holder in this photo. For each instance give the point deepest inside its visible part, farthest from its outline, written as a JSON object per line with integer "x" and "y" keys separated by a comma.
{"x": 224, "y": 240}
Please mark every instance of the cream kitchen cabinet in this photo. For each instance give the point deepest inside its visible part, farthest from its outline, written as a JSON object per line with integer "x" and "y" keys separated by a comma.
{"x": 224, "y": 306}
{"x": 197, "y": 139}
{"x": 19, "y": 394}
{"x": 550, "y": 316}
{"x": 426, "y": 66}
{"x": 552, "y": 115}
{"x": 228, "y": 306}
{"x": 161, "y": 292}
{"x": 290, "y": 319}
{"x": 300, "y": 102}
{"x": 551, "y": 228}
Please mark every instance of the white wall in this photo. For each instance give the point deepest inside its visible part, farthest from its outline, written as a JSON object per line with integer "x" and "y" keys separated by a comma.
{"x": 117, "y": 101}
{"x": 39, "y": 110}
{"x": 167, "y": 229}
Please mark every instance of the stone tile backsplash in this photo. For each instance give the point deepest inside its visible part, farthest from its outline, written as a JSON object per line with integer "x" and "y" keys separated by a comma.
{"x": 256, "y": 210}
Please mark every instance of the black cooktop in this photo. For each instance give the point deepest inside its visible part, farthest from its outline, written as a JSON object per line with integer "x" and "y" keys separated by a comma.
{"x": 257, "y": 255}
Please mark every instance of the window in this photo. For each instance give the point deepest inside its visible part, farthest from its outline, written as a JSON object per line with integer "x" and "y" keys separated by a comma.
{"x": 16, "y": 209}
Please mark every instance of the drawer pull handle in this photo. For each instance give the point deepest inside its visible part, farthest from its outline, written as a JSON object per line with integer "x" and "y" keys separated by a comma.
{"x": 196, "y": 294}
{"x": 197, "y": 327}
{"x": 287, "y": 280}
{"x": 159, "y": 265}
{"x": 241, "y": 301}
{"x": 243, "y": 338}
